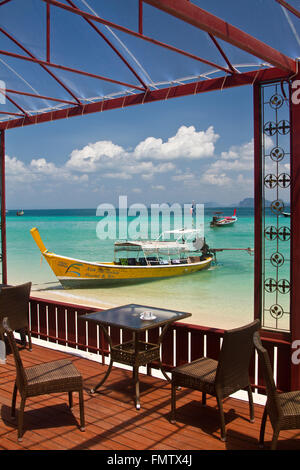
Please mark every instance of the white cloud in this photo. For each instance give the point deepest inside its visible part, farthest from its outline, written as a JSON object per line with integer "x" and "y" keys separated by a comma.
{"x": 187, "y": 143}
{"x": 105, "y": 159}
{"x": 244, "y": 181}
{"x": 93, "y": 156}
{"x": 161, "y": 165}
{"x": 217, "y": 179}
{"x": 185, "y": 177}
{"x": 100, "y": 160}
{"x": 38, "y": 171}
{"x": 121, "y": 175}
{"x": 81, "y": 178}
{"x": 42, "y": 166}
{"x": 13, "y": 166}
{"x": 113, "y": 161}
{"x": 17, "y": 172}
{"x": 239, "y": 158}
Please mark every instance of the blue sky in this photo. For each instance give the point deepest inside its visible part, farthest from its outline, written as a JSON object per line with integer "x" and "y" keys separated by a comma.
{"x": 229, "y": 113}
{"x": 194, "y": 148}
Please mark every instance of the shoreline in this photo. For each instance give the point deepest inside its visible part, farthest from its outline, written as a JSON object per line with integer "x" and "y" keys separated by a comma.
{"x": 201, "y": 318}
{"x": 60, "y": 295}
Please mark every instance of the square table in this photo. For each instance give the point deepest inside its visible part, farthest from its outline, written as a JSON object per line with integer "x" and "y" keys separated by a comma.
{"x": 134, "y": 353}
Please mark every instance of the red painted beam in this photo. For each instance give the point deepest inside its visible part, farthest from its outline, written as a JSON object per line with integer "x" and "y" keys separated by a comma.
{"x": 13, "y": 102}
{"x": 12, "y": 114}
{"x": 222, "y": 53}
{"x": 42, "y": 97}
{"x": 43, "y": 66}
{"x": 204, "y": 20}
{"x": 135, "y": 34}
{"x": 48, "y": 31}
{"x": 149, "y": 96}
{"x": 141, "y": 16}
{"x": 68, "y": 69}
{"x": 110, "y": 45}
{"x": 258, "y": 204}
{"x": 3, "y": 208}
{"x": 289, "y": 7}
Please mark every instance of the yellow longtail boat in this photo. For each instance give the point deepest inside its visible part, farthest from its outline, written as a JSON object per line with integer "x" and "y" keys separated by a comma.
{"x": 148, "y": 260}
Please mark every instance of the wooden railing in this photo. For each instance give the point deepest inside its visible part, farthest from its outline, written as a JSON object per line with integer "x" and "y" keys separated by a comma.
{"x": 64, "y": 324}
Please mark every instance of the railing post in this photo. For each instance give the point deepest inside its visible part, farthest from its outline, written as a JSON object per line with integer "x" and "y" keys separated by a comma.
{"x": 295, "y": 225}
{"x": 257, "y": 202}
{"x": 3, "y": 208}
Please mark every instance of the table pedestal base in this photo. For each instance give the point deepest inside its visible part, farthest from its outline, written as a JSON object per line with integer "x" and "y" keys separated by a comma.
{"x": 133, "y": 353}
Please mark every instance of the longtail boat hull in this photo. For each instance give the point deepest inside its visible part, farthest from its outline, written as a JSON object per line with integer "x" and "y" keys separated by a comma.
{"x": 223, "y": 223}
{"x": 75, "y": 273}
{"x": 218, "y": 221}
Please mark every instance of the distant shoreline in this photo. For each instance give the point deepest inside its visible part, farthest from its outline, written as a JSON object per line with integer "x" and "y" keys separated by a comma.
{"x": 247, "y": 203}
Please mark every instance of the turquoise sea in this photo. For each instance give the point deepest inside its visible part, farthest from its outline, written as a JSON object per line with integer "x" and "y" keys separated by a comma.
{"x": 221, "y": 296}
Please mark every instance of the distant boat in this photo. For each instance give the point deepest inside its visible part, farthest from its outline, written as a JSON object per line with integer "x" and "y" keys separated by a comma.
{"x": 286, "y": 214}
{"x": 220, "y": 221}
{"x": 20, "y": 212}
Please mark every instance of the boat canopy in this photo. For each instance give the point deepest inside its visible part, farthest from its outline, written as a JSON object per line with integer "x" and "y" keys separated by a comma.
{"x": 153, "y": 246}
{"x": 180, "y": 245}
{"x": 183, "y": 232}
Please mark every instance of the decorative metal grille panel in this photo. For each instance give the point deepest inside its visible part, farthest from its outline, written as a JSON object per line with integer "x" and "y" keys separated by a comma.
{"x": 276, "y": 237}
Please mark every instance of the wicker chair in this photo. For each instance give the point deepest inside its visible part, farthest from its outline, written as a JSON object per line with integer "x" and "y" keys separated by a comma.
{"x": 223, "y": 377}
{"x": 14, "y": 303}
{"x": 52, "y": 377}
{"x": 283, "y": 408}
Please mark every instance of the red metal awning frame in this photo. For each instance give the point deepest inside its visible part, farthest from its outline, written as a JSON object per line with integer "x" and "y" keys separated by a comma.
{"x": 149, "y": 96}
{"x": 185, "y": 11}
{"x": 192, "y": 14}
{"x": 289, "y": 7}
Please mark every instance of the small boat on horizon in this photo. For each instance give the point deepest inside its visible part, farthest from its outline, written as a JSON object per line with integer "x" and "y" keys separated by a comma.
{"x": 220, "y": 221}
{"x": 286, "y": 214}
{"x": 134, "y": 261}
{"x": 21, "y": 212}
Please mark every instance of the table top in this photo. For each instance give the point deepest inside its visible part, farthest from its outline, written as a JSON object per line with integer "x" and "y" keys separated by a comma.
{"x": 128, "y": 317}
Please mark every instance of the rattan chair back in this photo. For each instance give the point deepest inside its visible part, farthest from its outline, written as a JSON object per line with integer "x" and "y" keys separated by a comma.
{"x": 21, "y": 379}
{"x": 273, "y": 404}
{"x": 14, "y": 303}
{"x": 233, "y": 365}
